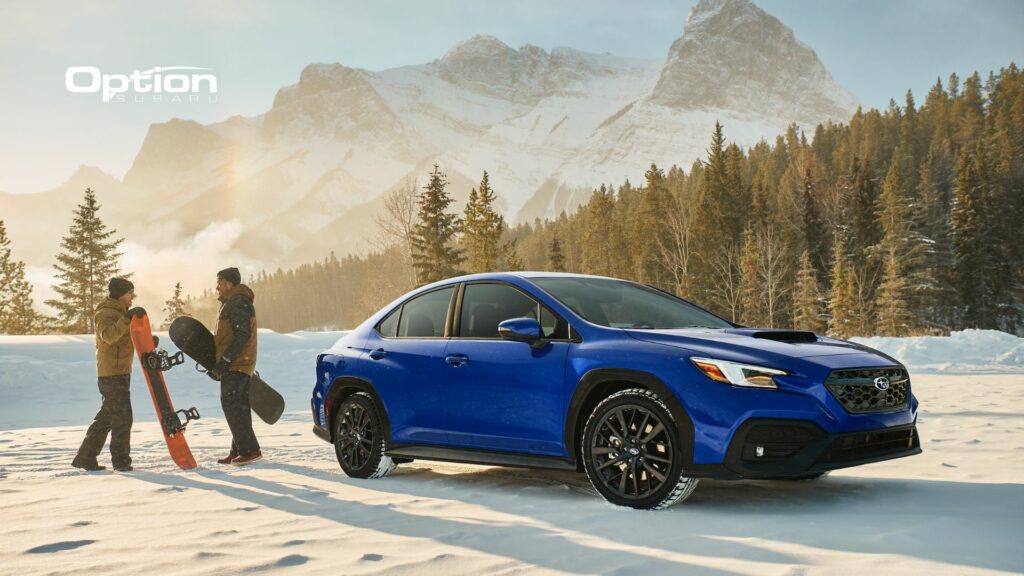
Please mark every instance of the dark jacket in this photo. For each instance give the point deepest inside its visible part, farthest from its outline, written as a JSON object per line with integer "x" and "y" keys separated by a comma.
{"x": 114, "y": 348}
{"x": 236, "y": 330}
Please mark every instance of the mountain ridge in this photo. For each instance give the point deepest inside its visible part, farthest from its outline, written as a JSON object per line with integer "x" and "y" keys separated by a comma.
{"x": 547, "y": 125}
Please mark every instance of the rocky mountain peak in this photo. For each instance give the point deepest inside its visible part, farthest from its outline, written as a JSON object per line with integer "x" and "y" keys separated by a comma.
{"x": 330, "y": 100}
{"x": 91, "y": 176}
{"x": 734, "y": 55}
{"x": 318, "y": 78}
{"x": 488, "y": 66}
{"x": 729, "y": 10}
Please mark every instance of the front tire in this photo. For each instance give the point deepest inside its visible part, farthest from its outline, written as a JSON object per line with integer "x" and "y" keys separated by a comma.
{"x": 359, "y": 441}
{"x": 632, "y": 452}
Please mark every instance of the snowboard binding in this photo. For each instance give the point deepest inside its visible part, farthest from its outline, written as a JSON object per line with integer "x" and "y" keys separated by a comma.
{"x": 162, "y": 361}
{"x": 190, "y": 414}
{"x": 172, "y": 424}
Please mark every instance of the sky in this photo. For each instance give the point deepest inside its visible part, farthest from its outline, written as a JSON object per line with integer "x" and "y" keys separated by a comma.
{"x": 875, "y": 48}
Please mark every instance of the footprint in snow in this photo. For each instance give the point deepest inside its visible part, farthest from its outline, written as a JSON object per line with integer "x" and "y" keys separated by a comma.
{"x": 59, "y": 546}
{"x": 170, "y": 489}
{"x": 949, "y": 465}
{"x": 291, "y": 543}
{"x": 207, "y": 555}
{"x": 292, "y": 560}
{"x": 80, "y": 524}
{"x": 373, "y": 557}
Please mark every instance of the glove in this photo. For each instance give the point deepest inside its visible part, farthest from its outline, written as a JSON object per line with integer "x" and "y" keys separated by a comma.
{"x": 218, "y": 371}
{"x": 137, "y": 311}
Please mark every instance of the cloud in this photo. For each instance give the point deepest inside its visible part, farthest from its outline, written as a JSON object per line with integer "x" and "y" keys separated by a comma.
{"x": 193, "y": 262}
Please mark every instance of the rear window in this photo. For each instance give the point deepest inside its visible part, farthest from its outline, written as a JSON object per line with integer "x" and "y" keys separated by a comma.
{"x": 424, "y": 316}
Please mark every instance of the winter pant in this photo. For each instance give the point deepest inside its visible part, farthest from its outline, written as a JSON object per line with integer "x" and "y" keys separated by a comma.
{"x": 114, "y": 417}
{"x": 234, "y": 399}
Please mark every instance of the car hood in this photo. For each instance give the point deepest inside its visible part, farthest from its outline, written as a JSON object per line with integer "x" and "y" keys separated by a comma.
{"x": 751, "y": 344}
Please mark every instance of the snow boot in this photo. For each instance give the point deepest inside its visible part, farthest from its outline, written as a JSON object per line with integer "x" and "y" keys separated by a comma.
{"x": 87, "y": 465}
{"x": 247, "y": 458}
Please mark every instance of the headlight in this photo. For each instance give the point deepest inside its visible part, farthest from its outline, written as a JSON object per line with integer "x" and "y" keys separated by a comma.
{"x": 737, "y": 374}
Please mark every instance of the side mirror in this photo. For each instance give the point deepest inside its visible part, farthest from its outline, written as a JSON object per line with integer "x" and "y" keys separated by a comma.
{"x": 520, "y": 330}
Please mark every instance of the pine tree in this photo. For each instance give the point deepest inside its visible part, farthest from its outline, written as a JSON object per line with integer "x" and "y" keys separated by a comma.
{"x": 175, "y": 307}
{"x": 89, "y": 259}
{"x": 711, "y": 274}
{"x": 813, "y": 227}
{"x": 556, "y": 260}
{"x": 434, "y": 255}
{"x": 894, "y": 316}
{"x": 482, "y": 229}
{"x": 860, "y": 214}
{"x": 972, "y": 266}
{"x": 17, "y": 309}
{"x": 903, "y": 251}
{"x": 842, "y": 305}
{"x": 651, "y": 228}
{"x": 510, "y": 259}
{"x": 934, "y": 185}
{"x": 597, "y": 236}
{"x": 808, "y": 310}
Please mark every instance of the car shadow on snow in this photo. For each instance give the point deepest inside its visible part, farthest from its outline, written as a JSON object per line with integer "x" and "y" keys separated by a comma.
{"x": 546, "y": 546}
{"x": 957, "y": 523}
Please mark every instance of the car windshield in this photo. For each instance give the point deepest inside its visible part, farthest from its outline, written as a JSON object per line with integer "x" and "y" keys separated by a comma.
{"x": 621, "y": 304}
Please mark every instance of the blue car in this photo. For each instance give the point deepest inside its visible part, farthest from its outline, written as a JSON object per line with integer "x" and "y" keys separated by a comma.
{"x": 644, "y": 391}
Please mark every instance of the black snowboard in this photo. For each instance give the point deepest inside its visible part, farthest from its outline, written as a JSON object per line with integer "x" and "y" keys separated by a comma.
{"x": 192, "y": 338}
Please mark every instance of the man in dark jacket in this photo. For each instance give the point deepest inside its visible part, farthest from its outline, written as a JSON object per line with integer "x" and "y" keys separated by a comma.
{"x": 114, "y": 352}
{"x": 236, "y": 353}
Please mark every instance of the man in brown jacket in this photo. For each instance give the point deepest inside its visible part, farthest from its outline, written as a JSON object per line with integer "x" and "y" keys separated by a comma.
{"x": 236, "y": 353}
{"x": 114, "y": 352}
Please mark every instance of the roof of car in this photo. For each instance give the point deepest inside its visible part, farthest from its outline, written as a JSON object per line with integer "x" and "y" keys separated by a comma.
{"x": 521, "y": 274}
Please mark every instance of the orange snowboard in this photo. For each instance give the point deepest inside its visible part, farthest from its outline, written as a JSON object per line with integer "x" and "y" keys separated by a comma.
{"x": 153, "y": 364}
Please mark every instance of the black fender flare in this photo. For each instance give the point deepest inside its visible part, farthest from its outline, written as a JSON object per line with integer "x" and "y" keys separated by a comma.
{"x": 344, "y": 386}
{"x": 575, "y": 418}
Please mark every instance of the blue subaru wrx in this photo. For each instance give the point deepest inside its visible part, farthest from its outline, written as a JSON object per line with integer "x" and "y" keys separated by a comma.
{"x": 644, "y": 391}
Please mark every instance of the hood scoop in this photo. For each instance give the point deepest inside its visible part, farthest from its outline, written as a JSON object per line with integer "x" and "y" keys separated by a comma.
{"x": 787, "y": 336}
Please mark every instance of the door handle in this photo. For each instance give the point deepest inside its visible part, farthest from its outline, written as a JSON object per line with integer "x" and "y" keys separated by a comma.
{"x": 378, "y": 353}
{"x": 456, "y": 360}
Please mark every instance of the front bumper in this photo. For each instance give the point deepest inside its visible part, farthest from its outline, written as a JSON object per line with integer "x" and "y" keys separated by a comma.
{"x": 322, "y": 434}
{"x": 765, "y": 448}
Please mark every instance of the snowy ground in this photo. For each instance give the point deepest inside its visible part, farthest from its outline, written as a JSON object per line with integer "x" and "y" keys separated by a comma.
{"x": 956, "y": 509}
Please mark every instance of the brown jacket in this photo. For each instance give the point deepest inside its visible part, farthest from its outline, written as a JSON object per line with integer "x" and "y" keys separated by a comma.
{"x": 114, "y": 348}
{"x": 236, "y": 330}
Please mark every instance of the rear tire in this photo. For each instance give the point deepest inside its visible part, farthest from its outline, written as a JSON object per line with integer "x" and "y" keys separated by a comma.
{"x": 359, "y": 441}
{"x": 632, "y": 452}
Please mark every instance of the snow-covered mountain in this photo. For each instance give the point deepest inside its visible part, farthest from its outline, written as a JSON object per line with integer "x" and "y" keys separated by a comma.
{"x": 307, "y": 176}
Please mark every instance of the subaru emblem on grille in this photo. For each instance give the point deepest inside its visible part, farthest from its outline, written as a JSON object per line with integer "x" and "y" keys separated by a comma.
{"x": 882, "y": 383}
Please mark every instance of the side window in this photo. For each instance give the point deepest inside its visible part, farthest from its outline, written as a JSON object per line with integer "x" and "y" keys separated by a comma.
{"x": 389, "y": 325}
{"x": 424, "y": 316}
{"x": 484, "y": 306}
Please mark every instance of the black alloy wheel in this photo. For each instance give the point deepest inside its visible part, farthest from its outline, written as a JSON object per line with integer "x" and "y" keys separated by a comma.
{"x": 631, "y": 452}
{"x": 359, "y": 438}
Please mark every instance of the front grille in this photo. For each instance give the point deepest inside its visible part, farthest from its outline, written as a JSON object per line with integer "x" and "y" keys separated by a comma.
{"x": 869, "y": 444}
{"x": 856, "y": 390}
